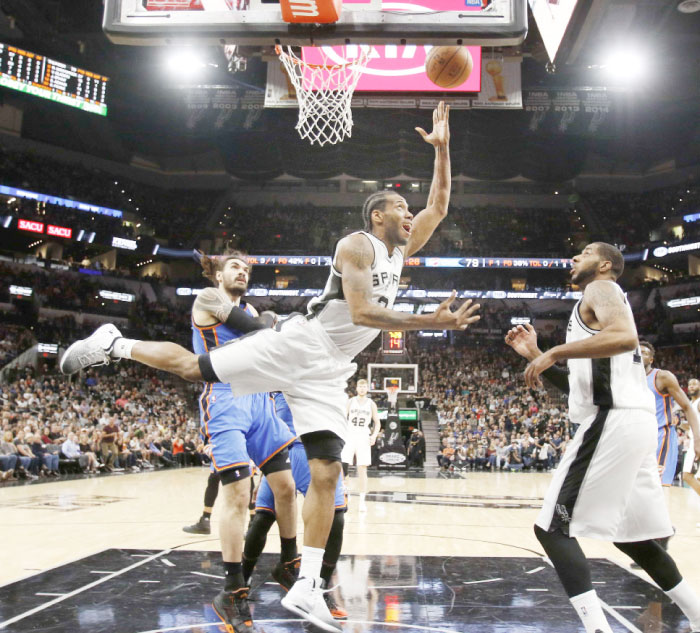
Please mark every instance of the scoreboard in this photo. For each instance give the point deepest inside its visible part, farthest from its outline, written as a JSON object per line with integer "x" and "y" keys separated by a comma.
{"x": 50, "y": 79}
{"x": 393, "y": 342}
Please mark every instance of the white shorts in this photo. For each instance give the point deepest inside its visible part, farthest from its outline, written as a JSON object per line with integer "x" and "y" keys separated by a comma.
{"x": 357, "y": 445}
{"x": 607, "y": 485}
{"x": 300, "y": 361}
{"x": 689, "y": 458}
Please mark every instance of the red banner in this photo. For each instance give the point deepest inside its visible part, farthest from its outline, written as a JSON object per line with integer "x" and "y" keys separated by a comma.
{"x": 59, "y": 231}
{"x": 30, "y": 225}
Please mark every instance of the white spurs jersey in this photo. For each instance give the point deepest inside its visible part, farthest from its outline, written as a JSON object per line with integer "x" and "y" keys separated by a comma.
{"x": 360, "y": 414}
{"x": 617, "y": 382}
{"x": 332, "y": 309}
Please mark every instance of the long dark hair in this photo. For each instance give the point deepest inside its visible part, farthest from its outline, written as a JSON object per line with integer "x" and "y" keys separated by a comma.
{"x": 211, "y": 264}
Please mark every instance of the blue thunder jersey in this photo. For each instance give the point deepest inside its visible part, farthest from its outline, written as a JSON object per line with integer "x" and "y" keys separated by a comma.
{"x": 205, "y": 339}
{"x": 667, "y": 447}
{"x": 283, "y": 412}
{"x": 664, "y": 416}
{"x": 265, "y": 500}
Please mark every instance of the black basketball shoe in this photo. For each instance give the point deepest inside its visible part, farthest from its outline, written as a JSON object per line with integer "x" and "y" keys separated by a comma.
{"x": 203, "y": 526}
{"x": 286, "y": 574}
{"x": 234, "y": 611}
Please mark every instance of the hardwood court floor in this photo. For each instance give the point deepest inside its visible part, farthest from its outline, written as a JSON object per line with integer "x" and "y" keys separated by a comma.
{"x": 439, "y": 555}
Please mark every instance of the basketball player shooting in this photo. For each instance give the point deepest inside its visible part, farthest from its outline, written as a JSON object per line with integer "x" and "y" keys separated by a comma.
{"x": 607, "y": 485}
{"x": 309, "y": 358}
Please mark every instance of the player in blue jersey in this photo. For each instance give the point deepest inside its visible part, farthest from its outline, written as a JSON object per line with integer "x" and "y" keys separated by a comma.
{"x": 664, "y": 385}
{"x": 286, "y": 574}
{"x": 239, "y": 429}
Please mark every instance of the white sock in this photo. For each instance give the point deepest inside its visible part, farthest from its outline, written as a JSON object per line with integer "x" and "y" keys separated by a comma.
{"x": 591, "y": 613}
{"x": 688, "y": 602}
{"x": 311, "y": 560}
{"x": 122, "y": 347}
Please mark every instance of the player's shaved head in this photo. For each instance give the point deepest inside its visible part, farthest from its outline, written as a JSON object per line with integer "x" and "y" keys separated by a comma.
{"x": 612, "y": 254}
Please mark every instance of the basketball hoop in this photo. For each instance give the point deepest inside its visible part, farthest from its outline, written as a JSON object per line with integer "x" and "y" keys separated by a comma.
{"x": 324, "y": 93}
{"x": 392, "y": 394}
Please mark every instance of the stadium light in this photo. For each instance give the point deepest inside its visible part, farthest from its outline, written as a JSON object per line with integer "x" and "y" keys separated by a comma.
{"x": 626, "y": 63}
{"x": 185, "y": 61}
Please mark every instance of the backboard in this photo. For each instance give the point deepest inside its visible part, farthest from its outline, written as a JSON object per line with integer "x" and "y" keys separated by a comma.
{"x": 259, "y": 23}
{"x": 383, "y": 375}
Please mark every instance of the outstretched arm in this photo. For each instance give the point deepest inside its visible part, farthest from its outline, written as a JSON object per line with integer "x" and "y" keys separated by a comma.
{"x": 435, "y": 211}
{"x": 354, "y": 260}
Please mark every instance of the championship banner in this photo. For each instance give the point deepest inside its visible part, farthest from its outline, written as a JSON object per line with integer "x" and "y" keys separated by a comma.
{"x": 578, "y": 112}
{"x": 501, "y": 86}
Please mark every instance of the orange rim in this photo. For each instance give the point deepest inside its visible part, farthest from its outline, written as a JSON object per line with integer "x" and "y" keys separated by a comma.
{"x": 300, "y": 62}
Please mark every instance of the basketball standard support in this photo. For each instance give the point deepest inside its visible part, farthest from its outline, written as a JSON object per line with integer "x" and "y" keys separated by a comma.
{"x": 311, "y": 11}
{"x": 500, "y": 23}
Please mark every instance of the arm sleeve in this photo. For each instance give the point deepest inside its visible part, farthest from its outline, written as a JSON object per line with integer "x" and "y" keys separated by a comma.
{"x": 558, "y": 377}
{"x": 239, "y": 319}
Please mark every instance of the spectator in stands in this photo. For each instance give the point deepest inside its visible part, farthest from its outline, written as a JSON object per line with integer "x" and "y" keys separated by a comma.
{"x": 49, "y": 460}
{"x": 108, "y": 444}
{"x": 70, "y": 449}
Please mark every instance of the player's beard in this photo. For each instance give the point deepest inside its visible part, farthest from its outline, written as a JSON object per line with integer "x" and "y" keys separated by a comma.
{"x": 584, "y": 277}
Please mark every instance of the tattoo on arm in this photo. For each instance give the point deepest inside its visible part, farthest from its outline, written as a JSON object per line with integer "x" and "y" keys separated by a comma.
{"x": 210, "y": 300}
{"x": 606, "y": 302}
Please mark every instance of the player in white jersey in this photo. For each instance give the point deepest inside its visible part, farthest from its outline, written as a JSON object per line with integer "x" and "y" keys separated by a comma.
{"x": 364, "y": 427}
{"x": 309, "y": 358}
{"x": 607, "y": 485}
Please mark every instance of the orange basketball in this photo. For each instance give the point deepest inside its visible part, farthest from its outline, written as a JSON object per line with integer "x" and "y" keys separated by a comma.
{"x": 449, "y": 66}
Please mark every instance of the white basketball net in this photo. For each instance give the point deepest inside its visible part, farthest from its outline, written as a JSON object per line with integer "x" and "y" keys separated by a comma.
{"x": 324, "y": 92}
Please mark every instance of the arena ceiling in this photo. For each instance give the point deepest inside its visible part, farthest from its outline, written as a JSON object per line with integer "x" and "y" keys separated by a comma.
{"x": 653, "y": 122}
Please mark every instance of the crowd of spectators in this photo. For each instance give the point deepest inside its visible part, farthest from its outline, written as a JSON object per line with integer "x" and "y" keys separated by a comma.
{"x": 173, "y": 215}
{"x": 122, "y": 417}
{"x": 636, "y": 219}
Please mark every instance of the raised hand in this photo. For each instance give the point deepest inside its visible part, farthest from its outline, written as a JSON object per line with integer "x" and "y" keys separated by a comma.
{"x": 445, "y": 319}
{"x": 441, "y": 126}
{"x": 523, "y": 339}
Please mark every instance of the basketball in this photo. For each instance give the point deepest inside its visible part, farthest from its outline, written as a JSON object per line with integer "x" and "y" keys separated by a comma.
{"x": 449, "y": 66}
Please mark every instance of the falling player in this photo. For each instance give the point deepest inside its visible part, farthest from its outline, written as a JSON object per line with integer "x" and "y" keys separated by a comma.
{"x": 309, "y": 358}
{"x": 362, "y": 414}
{"x": 664, "y": 385}
{"x": 607, "y": 485}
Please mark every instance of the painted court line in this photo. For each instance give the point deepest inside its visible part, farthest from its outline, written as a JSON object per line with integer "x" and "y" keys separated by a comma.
{"x": 537, "y": 590}
{"x": 165, "y": 561}
{"x": 621, "y": 619}
{"x": 199, "y": 573}
{"x": 149, "y": 581}
{"x": 41, "y": 593}
{"x": 534, "y": 571}
{"x": 104, "y": 579}
{"x": 102, "y": 572}
{"x": 478, "y": 582}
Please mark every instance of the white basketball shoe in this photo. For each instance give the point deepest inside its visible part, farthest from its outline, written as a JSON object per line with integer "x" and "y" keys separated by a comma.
{"x": 305, "y": 599}
{"x": 91, "y": 351}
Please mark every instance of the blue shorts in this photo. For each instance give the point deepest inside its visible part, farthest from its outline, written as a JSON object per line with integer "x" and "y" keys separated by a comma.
{"x": 667, "y": 454}
{"x": 241, "y": 428}
{"x": 265, "y": 500}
